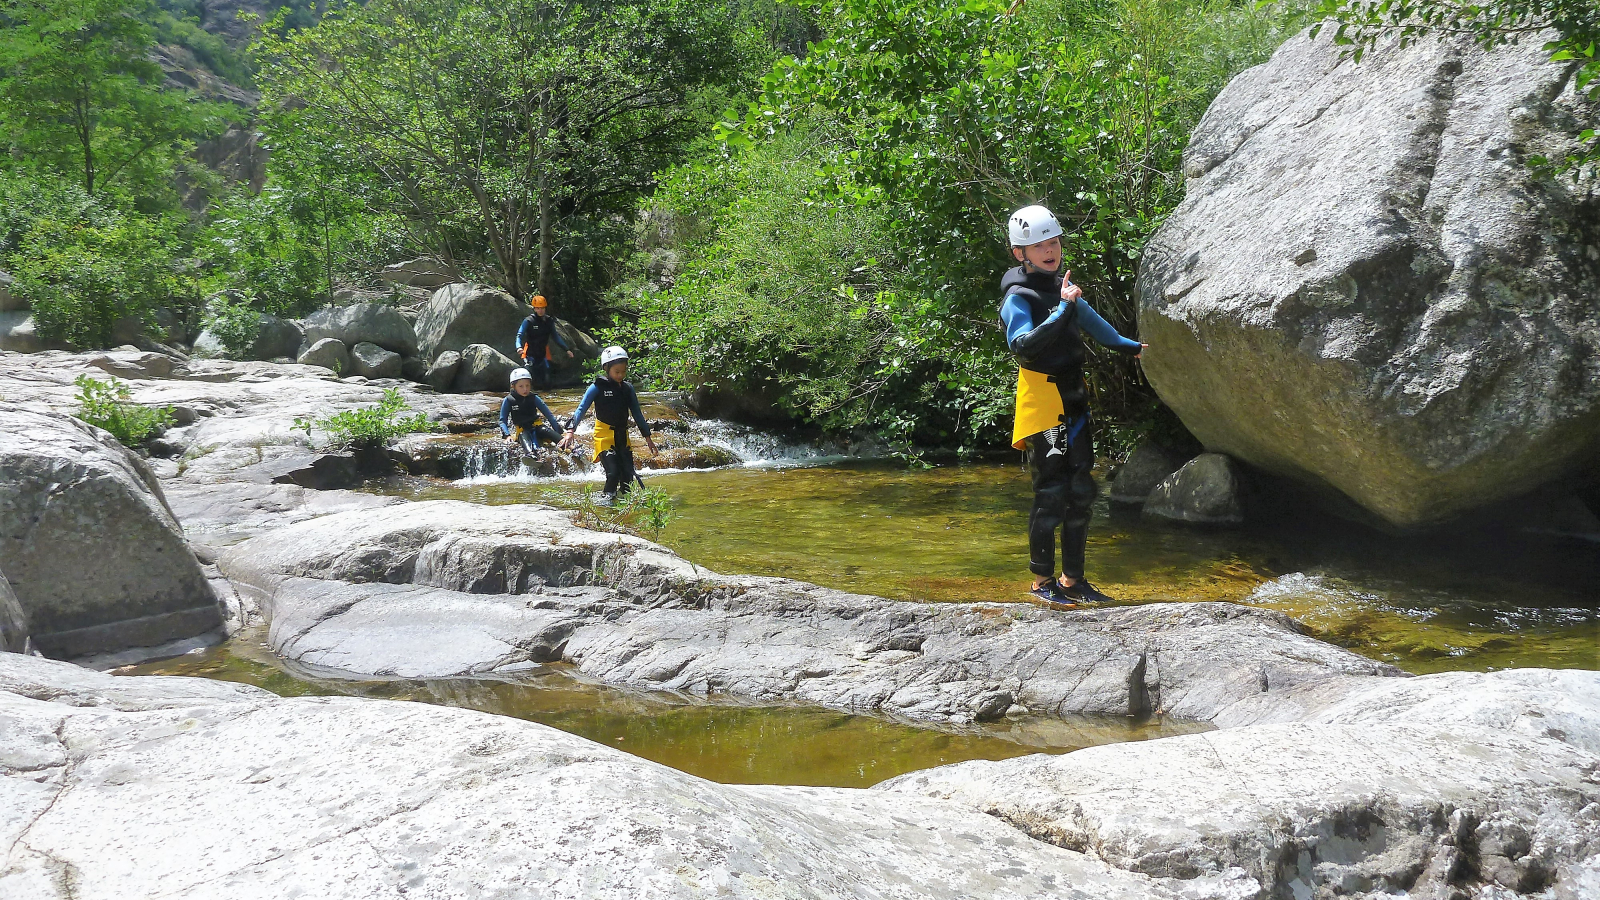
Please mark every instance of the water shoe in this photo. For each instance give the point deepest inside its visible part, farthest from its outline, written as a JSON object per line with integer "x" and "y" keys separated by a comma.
{"x": 1050, "y": 592}
{"x": 1082, "y": 593}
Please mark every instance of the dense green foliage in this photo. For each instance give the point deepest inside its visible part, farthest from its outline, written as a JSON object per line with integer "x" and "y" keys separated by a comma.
{"x": 1360, "y": 24}
{"x": 844, "y": 256}
{"x": 370, "y": 427}
{"x": 104, "y": 404}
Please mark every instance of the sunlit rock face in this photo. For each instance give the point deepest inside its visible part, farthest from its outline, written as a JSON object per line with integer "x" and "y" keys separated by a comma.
{"x": 1367, "y": 289}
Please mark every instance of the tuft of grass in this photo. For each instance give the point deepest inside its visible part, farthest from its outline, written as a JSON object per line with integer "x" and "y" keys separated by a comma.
{"x": 642, "y": 512}
{"x": 105, "y": 404}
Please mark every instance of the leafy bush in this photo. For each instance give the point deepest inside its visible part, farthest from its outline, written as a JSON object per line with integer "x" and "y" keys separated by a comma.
{"x": 370, "y": 427}
{"x": 234, "y": 320}
{"x": 104, "y": 404}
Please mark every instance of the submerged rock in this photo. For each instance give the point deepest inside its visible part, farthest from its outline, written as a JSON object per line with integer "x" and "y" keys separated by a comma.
{"x": 145, "y": 787}
{"x": 1147, "y": 466}
{"x": 1366, "y": 288}
{"x": 94, "y": 555}
{"x": 1204, "y": 492}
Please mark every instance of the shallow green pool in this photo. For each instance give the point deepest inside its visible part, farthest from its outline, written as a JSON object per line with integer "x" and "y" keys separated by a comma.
{"x": 956, "y": 533}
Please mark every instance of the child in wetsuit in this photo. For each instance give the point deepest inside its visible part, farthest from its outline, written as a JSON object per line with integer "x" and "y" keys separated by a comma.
{"x": 520, "y": 414}
{"x": 614, "y": 399}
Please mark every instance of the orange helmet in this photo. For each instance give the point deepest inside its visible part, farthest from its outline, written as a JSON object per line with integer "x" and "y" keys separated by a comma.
{"x": 539, "y": 302}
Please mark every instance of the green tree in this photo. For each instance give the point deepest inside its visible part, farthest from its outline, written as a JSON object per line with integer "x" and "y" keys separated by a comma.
{"x": 80, "y": 95}
{"x": 490, "y": 124}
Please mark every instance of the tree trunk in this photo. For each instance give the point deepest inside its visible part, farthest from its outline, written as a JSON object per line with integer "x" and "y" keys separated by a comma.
{"x": 545, "y": 240}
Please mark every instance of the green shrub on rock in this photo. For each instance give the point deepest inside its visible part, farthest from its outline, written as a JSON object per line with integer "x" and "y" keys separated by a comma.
{"x": 370, "y": 427}
{"x": 104, "y": 404}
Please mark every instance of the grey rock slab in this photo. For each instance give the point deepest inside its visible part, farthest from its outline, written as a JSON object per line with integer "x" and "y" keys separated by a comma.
{"x": 459, "y": 315}
{"x": 666, "y": 623}
{"x": 483, "y": 368}
{"x": 1303, "y": 810}
{"x": 1345, "y": 311}
{"x": 373, "y": 323}
{"x": 1205, "y": 491}
{"x": 264, "y": 797}
{"x": 329, "y": 353}
{"x": 69, "y": 493}
{"x": 1147, "y": 466}
{"x": 68, "y": 685}
{"x": 371, "y": 361}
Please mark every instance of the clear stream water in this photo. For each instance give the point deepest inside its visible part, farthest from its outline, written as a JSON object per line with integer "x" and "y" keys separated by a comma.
{"x": 955, "y": 533}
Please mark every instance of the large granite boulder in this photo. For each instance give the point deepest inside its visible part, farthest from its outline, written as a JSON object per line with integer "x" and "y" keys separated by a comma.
{"x": 483, "y": 368}
{"x": 19, "y": 333}
{"x": 1365, "y": 287}
{"x": 441, "y": 373}
{"x": 371, "y": 361}
{"x": 1147, "y": 466}
{"x": 373, "y": 323}
{"x": 329, "y": 353}
{"x": 93, "y": 553}
{"x": 460, "y": 315}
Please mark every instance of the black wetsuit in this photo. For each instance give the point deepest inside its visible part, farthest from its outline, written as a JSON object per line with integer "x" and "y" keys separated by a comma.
{"x": 613, "y": 403}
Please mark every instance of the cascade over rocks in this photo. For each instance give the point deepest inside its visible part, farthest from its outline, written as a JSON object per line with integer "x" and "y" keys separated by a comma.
{"x": 91, "y": 550}
{"x": 1365, "y": 289}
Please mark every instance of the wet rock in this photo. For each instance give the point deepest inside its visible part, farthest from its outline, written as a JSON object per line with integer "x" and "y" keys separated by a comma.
{"x": 446, "y": 588}
{"x": 70, "y": 493}
{"x": 340, "y": 469}
{"x": 329, "y": 353}
{"x": 372, "y": 323}
{"x": 1303, "y": 810}
{"x": 1147, "y": 466}
{"x": 1204, "y": 492}
{"x": 372, "y": 361}
{"x": 460, "y": 315}
{"x": 441, "y": 374}
{"x": 482, "y": 368}
{"x": 1344, "y": 313}
{"x": 414, "y": 368}
{"x": 13, "y": 620}
{"x": 147, "y": 786}
{"x": 421, "y": 272}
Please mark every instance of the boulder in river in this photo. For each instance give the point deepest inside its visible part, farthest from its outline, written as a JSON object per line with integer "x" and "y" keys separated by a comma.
{"x": 371, "y": 361}
{"x": 1147, "y": 466}
{"x": 1367, "y": 289}
{"x": 1205, "y": 491}
{"x": 329, "y": 353}
{"x": 483, "y": 368}
{"x": 373, "y": 323}
{"x": 91, "y": 550}
{"x": 459, "y": 315}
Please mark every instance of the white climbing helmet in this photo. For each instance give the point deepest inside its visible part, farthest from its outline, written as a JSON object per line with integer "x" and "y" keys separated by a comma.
{"x": 519, "y": 374}
{"x": 612, "y": 354}
{"x": 1032, "y": 225}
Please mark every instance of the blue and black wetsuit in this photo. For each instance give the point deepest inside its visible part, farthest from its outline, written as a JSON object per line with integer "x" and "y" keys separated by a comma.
{"x": 613, "y": 402}
{"x": 1045, "y": 332}
{"x": 521, "y": 415}
{"x": 533, "y": 343}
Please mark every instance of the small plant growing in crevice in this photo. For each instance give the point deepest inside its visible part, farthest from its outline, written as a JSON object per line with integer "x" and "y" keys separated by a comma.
{"x": 643, "y": 512}
{"x": 370, "y": 427}
{"x": 105, "y": 404}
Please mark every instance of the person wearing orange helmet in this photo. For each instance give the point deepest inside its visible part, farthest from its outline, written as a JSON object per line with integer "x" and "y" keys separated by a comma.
{"x": 533, "y": 341}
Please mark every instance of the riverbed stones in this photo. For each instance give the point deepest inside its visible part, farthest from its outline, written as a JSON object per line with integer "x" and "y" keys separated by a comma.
{"x": 482, "y": 368}
{"x": 329, "y": 353}
{"x": 1205, "y": 491}
{"x": 371, "y": 361}
{"x": 91, "y": 550}
{"x": 144, "y": 787}
{"x": 373, "y": 323}
{"x": 1367, "y": 289}
{"x": 1147, "y": 466}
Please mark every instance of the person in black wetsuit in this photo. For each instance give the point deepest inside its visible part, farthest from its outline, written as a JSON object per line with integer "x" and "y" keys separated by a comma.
{"x": 520, "y": 414}
{"x": 1044, "y": 317}
{"x": 614, "y": 399}
{"x": 533, "y": 341}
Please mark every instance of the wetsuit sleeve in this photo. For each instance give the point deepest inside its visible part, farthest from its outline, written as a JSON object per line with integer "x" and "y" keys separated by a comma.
{"x": 1101, "y": 330}
{"x": 545, "y": 411}
{"x": 555, "y": 335}
{"x": 638, "y": 416}
{"x": 1022, "y": 336}
{"x": 505, "y": 417}
{"x": 583, "y": 407}
{"x": 522, "y": 338}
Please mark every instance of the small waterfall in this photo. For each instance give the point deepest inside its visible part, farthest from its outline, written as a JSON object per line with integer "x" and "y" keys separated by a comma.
{"x": 493, "y": 459}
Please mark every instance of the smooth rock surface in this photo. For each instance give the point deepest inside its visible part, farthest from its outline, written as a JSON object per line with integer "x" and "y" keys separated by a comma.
{"x": 373, "y": 323}
{"x": 1147, "y": 466}
{"x": 483, "y": 368}
{"x": 1365, "y": 288}
{"x": 124, "y": 788}
{"x": 1205, "y": 491}
{"x": 372, "y": 361}
{"x": 445, "y": 588}
{"x": 91, "y": 550}
{"x": 329, "y": 353}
